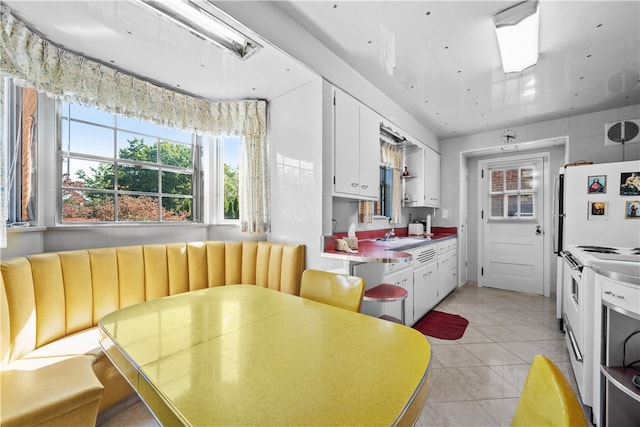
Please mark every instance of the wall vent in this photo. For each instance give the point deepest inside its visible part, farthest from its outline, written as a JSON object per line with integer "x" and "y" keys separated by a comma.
{"x": 624, "y": 131}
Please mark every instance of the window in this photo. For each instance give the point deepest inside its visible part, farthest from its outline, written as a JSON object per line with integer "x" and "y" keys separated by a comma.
{"x": 119, "y": 169}
{"x": 512, "y": 192}
{"x": 228, "y": 165}
{"x": 20, "y": 123}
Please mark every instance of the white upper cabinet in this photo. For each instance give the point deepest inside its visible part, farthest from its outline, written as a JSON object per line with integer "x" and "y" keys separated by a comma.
{"x": 356, "y": 149}
{"x": 431, "y": 178}
{"x": 413, "y": 192}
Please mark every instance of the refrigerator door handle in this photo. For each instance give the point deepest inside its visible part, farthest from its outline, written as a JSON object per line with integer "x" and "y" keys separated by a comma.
{"x": 555, "y": 217}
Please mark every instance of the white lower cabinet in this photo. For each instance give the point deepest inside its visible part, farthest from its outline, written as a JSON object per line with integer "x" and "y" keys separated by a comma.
{"x": 428, "y": 278}
{"x": 447, "y": 267}
{"x": 425, "y": 288}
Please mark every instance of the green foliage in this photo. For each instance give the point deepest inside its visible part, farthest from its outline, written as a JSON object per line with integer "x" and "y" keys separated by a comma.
{"x": 231, "y": 205}
{"x": 82, "y": 205}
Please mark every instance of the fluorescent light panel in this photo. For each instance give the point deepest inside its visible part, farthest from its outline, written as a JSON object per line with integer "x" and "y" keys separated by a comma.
{"x": 517, "y": 31}
{"x": 188, "y": 15}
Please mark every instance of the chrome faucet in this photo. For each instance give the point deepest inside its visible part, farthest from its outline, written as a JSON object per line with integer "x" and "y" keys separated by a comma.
{"x": 390, "y": 234}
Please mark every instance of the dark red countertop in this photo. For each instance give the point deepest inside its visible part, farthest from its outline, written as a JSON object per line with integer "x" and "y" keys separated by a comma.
{"x": 370, "y": 250}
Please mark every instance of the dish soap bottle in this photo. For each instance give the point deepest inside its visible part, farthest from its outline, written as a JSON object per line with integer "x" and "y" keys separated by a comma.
{"x": 406, "y": 172}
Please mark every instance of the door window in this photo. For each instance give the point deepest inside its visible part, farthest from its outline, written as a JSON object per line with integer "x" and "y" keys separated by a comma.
{"x": 512, "y": 192}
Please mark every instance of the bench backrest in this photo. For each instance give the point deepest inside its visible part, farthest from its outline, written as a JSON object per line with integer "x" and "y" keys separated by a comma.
{"x": 47, "y": 296}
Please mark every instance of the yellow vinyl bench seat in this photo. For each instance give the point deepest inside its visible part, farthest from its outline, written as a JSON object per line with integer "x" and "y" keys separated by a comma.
{"x": 52, "y": 369}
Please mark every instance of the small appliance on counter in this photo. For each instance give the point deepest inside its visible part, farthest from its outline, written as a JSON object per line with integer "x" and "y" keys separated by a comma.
{"x": 416, "y": 229}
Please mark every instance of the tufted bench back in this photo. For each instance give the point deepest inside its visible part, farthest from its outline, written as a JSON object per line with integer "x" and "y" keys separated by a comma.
{"x": 50, "y": 295}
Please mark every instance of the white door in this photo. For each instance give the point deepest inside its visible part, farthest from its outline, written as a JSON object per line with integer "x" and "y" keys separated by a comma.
{"x": 512, "y": 224}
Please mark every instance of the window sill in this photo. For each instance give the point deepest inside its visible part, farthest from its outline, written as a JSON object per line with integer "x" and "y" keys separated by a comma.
{"x": 121, "y": 225}
{"x": 28, "y": 229}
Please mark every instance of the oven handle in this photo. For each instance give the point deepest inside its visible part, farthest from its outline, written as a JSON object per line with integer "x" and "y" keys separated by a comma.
{"x": 572, "y": 263}
{"x": 572, "y": 339}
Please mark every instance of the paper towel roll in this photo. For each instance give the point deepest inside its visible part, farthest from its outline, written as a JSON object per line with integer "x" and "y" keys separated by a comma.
{"x": 428, "y": 230}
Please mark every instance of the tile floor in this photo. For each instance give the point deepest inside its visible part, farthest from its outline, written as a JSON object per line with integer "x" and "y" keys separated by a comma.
{"x": 477, "y": 379}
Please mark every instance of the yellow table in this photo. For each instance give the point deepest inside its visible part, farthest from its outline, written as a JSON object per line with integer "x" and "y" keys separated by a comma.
{"x": 246, "y": 355}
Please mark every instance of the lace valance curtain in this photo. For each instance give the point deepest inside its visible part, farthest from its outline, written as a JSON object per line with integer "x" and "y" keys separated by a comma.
{"x": 62, "y": 74}
{"x": 391, "y": 156}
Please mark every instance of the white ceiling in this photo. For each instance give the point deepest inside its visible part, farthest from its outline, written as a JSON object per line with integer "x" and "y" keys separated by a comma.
{"x": 447, "y": 75}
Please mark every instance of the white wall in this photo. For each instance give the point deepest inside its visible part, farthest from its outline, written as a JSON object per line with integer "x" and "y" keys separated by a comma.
{"x": 268, "y": 21}
{"x": 586, "y": 142}
{"x": 296, "y": 169}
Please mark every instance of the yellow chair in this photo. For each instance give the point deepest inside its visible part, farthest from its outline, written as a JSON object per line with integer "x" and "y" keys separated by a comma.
{"x": 339, "y": 290}
{"x": 547, "y": 398}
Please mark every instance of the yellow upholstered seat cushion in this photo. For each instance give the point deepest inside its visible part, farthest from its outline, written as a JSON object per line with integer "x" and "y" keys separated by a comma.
{"x": 49, "y": 391}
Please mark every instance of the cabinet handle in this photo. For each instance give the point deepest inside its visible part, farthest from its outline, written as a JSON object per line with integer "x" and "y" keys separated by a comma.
{"x": 614, "y": 295}
{"x": 354, "y": 184}
{"x": 365, "y": 187}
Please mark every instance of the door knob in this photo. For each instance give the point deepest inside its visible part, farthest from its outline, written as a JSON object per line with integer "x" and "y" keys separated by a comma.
{"x": 538, "y": 230}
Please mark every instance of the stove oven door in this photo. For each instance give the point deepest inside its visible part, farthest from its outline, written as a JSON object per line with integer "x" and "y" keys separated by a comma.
{"x": 573, "y": 305}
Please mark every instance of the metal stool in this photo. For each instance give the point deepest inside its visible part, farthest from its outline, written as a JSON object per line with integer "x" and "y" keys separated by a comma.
{"x": 385, "y": 292}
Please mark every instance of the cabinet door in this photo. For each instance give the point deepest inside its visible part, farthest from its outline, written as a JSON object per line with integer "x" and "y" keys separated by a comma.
{"x": 425, "y": 289}
{"x": 431, "y": 178}
{"x": 369, "y": 153}
{"x": 346, "y": 144}
{"x": 403, "y": 278}
{"x": 445, "y": 274}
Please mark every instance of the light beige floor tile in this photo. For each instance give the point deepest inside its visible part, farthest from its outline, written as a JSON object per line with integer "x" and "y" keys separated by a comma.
{"x": 555, "y": 350}
{"x": 533, "y": 332}
{"x": 473, "y": 335}
{"x": 483, "y": 383}
{"x": 455, "y": 356}
{"x": 501, "y": 333}
{"x": 493, "y": 354}
{"x": 513, "y": 374}
{"x": 446, "y": 414}
{"x": 444, "y": 388}
{"x": 501, "y": 410}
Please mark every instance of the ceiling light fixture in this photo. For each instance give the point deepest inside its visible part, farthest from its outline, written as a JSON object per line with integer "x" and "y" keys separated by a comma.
{"x": 517, "y": 31}
{"x": 188, "y": 15}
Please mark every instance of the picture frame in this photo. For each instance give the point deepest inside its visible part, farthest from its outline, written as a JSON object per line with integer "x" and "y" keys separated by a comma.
{"x": 598, "y": 211}
{"x": 632, "y": 209}
{"x": 630, "y": 184}
{"x": 597, "y": 184}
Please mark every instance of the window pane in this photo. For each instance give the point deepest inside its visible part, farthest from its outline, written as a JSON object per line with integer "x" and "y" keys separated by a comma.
{"x": 176, "y": 183}
{"x": 88, "y": 139}
{"x": 231, "y": 164}
{"x": 174, "y": 135}
{"x": 526, "y": 179}
{"x": 133, "y": 146}
{"x": 175, "y": 154}
{"x": 128, "y": 123}
{"x": 86, "y": 206}
{"x": 512, "y": 205}
{"x": 89, "y": 114}
{"x": 137, "y": 208}
{"x": 526, "y": 205}
{"x": 497, "y": 178}
{"x": 497, "y": 206}
{"x": 176, "y": 209}
{"x": 87, "y": 174}
{"x": 511, "y": 176}
{"x": 137, "y": 178}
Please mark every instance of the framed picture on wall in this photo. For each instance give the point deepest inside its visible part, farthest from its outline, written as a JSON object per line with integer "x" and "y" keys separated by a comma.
{"x": 597, "y": 184}
{"x": 630, "y": 184}
{"x": 632, "y": 209}
{"x": 597, "y": 211}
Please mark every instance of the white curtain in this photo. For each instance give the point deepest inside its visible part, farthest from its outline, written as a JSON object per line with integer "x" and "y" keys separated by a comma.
{"x": 3, "y": 178}
{"x": 391, "y": 156}
{"x": 74, "y": 78}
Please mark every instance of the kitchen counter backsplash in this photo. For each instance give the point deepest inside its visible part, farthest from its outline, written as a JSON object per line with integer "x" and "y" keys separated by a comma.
{"x": 437, "y": 232}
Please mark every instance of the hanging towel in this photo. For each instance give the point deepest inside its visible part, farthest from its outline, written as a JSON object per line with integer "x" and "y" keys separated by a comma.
{"x": 365, "y": 211}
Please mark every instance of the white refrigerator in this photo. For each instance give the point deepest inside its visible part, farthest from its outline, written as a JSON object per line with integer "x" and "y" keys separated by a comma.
{"x": 601, "y": 205}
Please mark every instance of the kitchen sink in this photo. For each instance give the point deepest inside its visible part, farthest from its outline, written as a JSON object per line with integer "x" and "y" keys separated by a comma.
{"x": 400, "y": 241}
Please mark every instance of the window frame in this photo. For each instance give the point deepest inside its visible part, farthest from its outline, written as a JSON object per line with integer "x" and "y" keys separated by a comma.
{"x": 196, "y": 172}
{"x": 13, "y": 203}
{"x": 217, "y": 160}
{"x": 518, "y": 192}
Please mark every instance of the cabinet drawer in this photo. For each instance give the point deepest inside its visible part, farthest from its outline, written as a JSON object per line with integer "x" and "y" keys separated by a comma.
{"x": 447, "y": 245}
{"x": 617, "y": 294}
{"x": 392, "y": 267}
